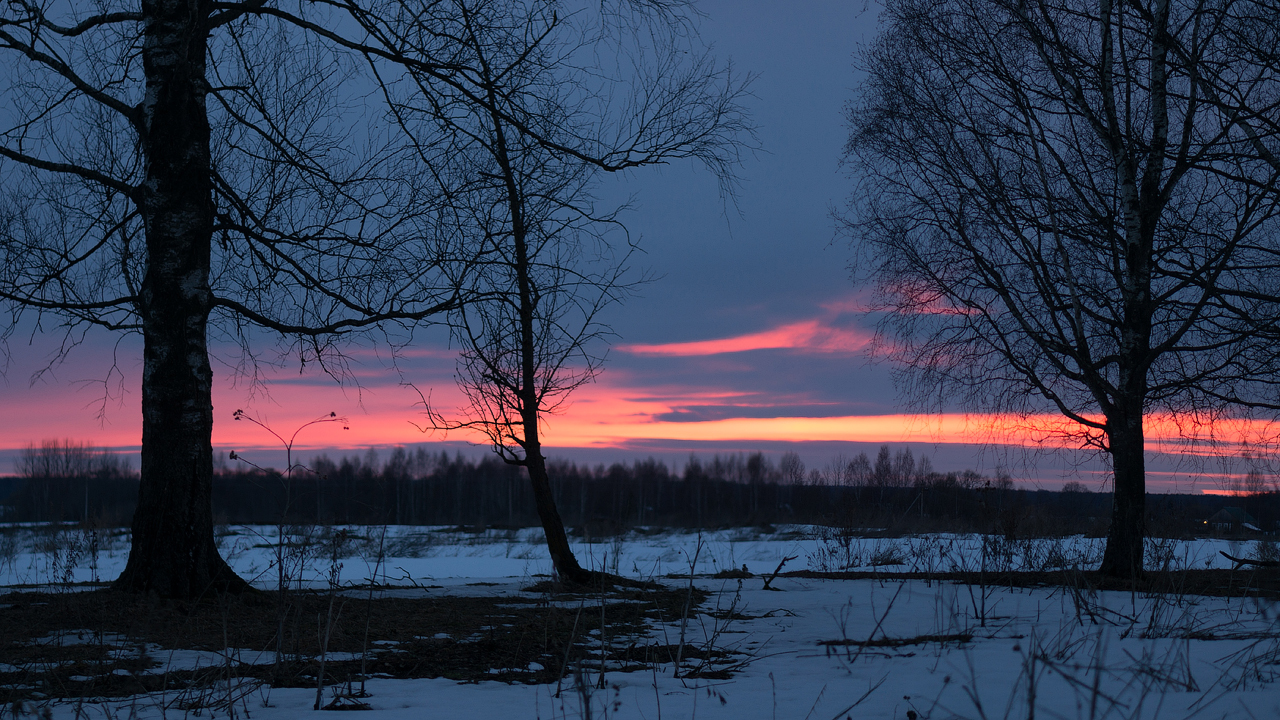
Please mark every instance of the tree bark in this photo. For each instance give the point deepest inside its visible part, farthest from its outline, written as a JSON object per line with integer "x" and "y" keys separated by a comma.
{"x": 173, "y": 552}
{"x": 562, "y": 556}
{"x": 1124, "y": 552}
{"x": 528, "y": 391}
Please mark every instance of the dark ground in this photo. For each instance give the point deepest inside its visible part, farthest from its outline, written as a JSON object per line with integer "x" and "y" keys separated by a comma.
{"x": 100, "y": 643}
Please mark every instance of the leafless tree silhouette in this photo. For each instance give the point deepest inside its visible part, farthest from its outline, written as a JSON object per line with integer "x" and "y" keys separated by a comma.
{"x": 177, "y": 169}
{"x": 539, "y": 119}
{"x": 1070, "y": 206}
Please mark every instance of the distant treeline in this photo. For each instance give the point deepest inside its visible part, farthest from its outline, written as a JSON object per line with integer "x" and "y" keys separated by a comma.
{"x": 895, "y": 492}
{"x": 65, "y": 480}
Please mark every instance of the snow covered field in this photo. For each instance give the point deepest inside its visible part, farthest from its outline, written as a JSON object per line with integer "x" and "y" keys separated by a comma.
{"x": 813, "y": 649}
{"x": 39, "y": 555}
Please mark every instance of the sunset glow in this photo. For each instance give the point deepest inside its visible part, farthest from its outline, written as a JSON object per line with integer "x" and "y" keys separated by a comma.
{"x": 614, "y": 420}
{"x": 619, "y": 411}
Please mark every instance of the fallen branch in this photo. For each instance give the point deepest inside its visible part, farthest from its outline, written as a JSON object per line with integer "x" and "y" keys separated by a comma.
{"x": 777, "y": 570}
{"x": 1241, "y": 562}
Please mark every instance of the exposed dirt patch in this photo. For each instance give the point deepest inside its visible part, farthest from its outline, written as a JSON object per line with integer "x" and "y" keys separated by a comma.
{"x": 888, "y": 642}
{"x": 103, "y": 643}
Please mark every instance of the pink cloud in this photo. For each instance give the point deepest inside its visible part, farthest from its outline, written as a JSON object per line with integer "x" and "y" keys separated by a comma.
{"x": 865, "y": 302}
{"x": 808, "y": 335}
{"x": 857, "y": 303}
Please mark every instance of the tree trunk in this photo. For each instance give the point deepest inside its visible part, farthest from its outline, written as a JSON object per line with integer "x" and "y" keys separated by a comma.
{"x": 562, "y": 556}
{"x": 173, "y": 552}
{"x": 530, "y": 407}
{"x": 1123, "y": 555}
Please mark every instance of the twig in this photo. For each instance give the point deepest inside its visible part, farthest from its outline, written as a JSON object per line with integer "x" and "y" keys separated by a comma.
{"x": 816, "y": 700}
{"x": 688, "y": 602}
{"x": 330, "y": 619}
{"x": 777, "y": 570}
{"x": 879, "y": 622}
{"x": 604, "y": 640}
{"x": 368, "y": 610}
{"x": 569, "y": 646}
{"x": 865, "y": 695}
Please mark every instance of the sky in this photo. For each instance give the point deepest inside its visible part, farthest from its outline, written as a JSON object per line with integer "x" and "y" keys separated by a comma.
{"x": 750, "y": 337}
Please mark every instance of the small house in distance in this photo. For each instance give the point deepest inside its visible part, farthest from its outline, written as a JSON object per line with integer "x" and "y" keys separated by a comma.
{"x": 1232, "y": 520}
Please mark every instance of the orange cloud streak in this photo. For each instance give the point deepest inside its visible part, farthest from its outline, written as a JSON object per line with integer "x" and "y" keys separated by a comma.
{"x": 810, "y": 335}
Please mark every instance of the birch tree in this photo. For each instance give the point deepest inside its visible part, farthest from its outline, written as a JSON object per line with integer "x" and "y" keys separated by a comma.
{"x": 1069, "y": 206}
{"x": 182, "y": 170}
{"x": 537, "y": 122}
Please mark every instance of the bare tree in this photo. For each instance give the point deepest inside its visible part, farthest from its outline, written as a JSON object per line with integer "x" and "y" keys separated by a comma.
{"x": 882, "y": 474}
{"x": 67, "y": 458}
{"x": 182, "y": 168}
{"x": 1069, "y": 206}
{"x": 792, "y": 469}
{"x": 524, "y": 171}
{"x": 1255, "y": 483}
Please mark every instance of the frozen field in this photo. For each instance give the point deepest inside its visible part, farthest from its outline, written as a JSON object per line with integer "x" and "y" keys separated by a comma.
{"x": 814, "y": 649}
{"x": 42, "y": 555}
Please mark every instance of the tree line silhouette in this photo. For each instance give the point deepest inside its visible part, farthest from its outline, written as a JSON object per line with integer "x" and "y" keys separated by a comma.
{"x": 895, "y": 492}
